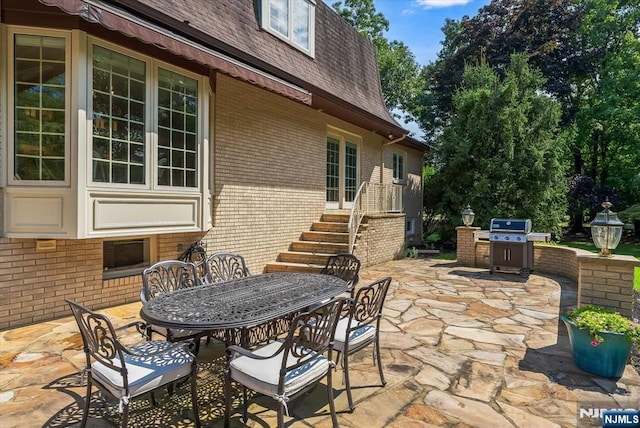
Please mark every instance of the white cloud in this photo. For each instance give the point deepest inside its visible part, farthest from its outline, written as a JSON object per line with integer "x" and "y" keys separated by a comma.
{"x": 406, "y": 12}
{"x": 431, "y": 4}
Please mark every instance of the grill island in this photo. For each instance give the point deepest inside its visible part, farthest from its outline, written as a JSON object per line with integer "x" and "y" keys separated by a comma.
{"x": 511, "y": 245}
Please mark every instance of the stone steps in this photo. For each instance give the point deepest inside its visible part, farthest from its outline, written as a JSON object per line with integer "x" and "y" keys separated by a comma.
{"x": 326, "y": 237}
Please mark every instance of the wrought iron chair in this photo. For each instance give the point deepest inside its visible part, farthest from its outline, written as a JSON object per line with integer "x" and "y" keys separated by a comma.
{"x": 361, "y": 326}
{"x": 164, "y": 277}
{"x": 128, "y": 372}
{"x": 225, "y": 266}
{"x": 286, "y": 369}
{"x": 345, "y": 266}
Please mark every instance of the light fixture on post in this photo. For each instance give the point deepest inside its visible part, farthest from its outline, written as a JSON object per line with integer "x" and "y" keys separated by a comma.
{"x": 606, "y": 230}
{"x": 468, "y": 216}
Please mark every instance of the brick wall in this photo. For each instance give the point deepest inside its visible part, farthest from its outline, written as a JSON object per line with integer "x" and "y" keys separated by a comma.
{"x": 381, "y": 240}
{"x": 466, "y": 245}
{"x": 607, "y": 282}
{"x": 560, "y": 260}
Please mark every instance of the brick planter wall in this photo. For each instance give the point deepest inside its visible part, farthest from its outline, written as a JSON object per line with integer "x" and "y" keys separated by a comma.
{"x": 607, "y": 281}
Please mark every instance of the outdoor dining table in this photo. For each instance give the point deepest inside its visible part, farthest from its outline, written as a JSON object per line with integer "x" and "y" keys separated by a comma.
{"x": 234, "y": 305}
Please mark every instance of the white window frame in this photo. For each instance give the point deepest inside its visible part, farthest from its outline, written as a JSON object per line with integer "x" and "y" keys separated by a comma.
{"x": 151, "y": 122}
{"x": 265, "y": 23}
{"x": 344, "y": 138}
{"x": 399, "y": 178}
{"x": 10, "y": 106}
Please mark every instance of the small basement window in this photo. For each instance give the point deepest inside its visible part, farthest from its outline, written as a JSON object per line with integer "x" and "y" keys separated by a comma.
{"x": 125, "y": 257}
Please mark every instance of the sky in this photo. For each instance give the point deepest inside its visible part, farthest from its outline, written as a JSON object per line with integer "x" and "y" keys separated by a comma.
{"x": 418, "y": 23}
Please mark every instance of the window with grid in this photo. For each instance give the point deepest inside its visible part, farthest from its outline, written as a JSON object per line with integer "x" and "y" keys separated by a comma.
{"x": 177, "y": 129}
{"x": 350, "y": 171}
{"x": 119, "y": 85}
{"x": 123, "y": 152}
{"x": 333, "y": 169}
{"x": 40, "y": 102}
{"x": 291, "y": 20}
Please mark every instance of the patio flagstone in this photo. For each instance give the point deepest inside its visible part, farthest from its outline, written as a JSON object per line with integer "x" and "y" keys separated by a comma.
{"x": 460, "y": 348}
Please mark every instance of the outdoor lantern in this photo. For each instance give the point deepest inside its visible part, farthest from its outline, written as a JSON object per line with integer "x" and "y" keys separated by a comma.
{"x": 468, "y": 216}
{"x": 606, "y": 230}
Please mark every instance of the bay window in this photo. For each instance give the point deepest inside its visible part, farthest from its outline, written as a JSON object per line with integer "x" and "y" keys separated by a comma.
{"x": 105, "y": 143}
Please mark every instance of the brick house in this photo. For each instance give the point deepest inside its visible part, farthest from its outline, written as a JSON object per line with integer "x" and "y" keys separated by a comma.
{"x": 131, "y": 128}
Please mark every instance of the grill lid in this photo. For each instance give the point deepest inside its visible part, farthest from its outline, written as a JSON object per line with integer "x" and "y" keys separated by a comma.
{"x": 510, "y": 225}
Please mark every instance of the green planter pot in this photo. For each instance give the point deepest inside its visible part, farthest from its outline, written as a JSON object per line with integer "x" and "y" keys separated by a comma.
{"x": 608, "y": 359}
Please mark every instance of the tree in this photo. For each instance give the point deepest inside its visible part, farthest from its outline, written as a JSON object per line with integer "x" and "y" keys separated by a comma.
{"x": 607, "y": 138}
{"x": 501, "y": 153}
{"x": 396, "y": 63}
{"x": 542, "y": 29}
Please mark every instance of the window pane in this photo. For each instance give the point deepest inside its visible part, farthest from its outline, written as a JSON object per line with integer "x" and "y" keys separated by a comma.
{"x": 333, "y": 172}
{"x": 118, "y": 117}
{"x": 350, "y": 171}
{"x": 301, "y": 23}
{"x": 125, "y": 257}
{"x": 279, "y": 16}
{"x": 178, "y": 129}
{"x": 39, "y": 107}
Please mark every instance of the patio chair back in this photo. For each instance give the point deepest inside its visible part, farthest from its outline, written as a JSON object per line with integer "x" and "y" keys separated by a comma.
{"x": 99, "y": 339}
{"x": 167, "y": 276}
{"x": 361, "y": 327}
{"x": 225, "y": 266}
{"x": 345, "y": 266}
{"x": 127, "y": 372}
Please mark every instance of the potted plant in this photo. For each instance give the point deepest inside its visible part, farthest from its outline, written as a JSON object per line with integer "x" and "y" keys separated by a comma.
{"x": 601, "y": 339}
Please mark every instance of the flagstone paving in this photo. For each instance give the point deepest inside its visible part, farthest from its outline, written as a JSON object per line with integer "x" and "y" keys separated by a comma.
{"x": 460, "y": 348}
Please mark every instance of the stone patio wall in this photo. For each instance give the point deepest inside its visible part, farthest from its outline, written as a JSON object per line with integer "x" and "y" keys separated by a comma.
{"x": 602, "y": 281}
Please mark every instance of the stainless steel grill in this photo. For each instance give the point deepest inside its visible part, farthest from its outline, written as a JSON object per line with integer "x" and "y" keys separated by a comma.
{"x": 511, "y": 245}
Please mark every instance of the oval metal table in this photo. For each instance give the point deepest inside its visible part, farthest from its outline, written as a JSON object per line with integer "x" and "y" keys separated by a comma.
{"x": 266, "y": 300}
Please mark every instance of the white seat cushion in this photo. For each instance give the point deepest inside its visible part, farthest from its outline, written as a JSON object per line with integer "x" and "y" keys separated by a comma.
{"x": 262, "y": 375}
{"x": 356, "y": 337}
{"x": 145, "y": 373}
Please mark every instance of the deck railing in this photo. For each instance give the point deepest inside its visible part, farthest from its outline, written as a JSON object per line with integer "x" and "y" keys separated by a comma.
{"x": 373, "y": 198}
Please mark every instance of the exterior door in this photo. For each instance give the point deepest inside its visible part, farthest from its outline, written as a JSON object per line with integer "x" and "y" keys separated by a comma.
{"x": 342, "y": 171}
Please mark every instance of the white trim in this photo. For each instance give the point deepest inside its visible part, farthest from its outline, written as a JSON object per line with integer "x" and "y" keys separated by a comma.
{"x": 10, "y": 124}
{"x": 4, "y": 106}
{"x": 344, "y": 137}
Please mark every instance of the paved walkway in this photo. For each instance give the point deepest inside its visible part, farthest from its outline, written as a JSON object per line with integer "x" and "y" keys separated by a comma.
{"x": 461, "y": 348}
